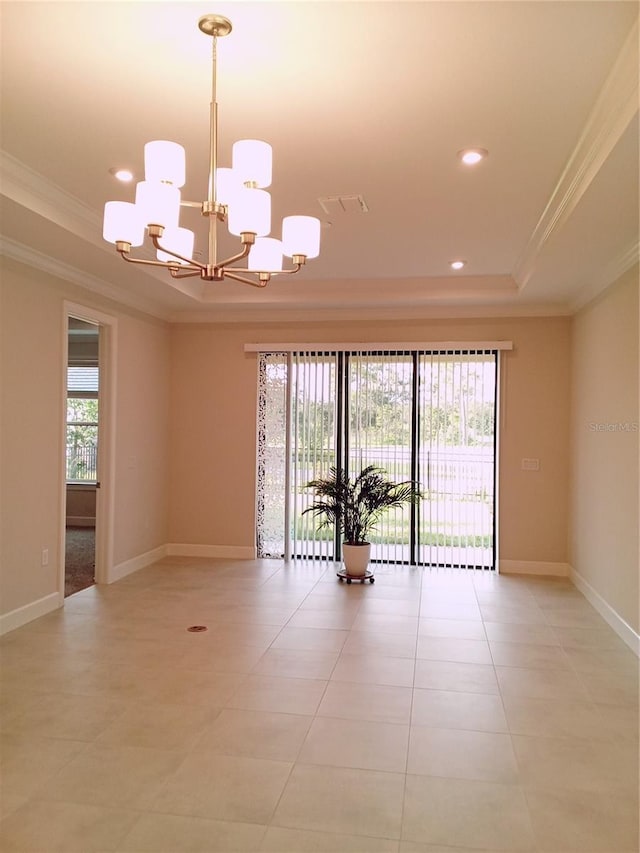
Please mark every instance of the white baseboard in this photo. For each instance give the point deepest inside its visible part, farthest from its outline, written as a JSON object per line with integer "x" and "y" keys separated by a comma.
{"x": 611, "y": 616}
{"x": 80, "y": 521}
{"x": 19, "y": 617}
{"x": 135, "y": 563}
{"x": 533, "y": 567}
{"x": 231, "y": 552}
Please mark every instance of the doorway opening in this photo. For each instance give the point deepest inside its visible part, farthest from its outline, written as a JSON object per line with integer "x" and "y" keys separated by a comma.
{"x": 81, "y": 456}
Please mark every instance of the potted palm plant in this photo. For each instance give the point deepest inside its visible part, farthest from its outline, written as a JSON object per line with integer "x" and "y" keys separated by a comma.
{"x": 354, "y": 506}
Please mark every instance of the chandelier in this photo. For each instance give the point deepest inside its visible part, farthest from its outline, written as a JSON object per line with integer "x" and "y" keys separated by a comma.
{"x": 236, "y": 196}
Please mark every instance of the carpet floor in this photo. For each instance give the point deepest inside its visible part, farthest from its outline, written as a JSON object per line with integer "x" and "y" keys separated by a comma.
{"x": 79, "y": 564}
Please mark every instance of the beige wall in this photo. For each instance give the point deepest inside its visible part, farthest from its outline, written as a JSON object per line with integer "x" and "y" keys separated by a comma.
{"x": 185, "y": 432}
{"x": 213, "y": 438}
{"x": 142, "y": 438}
{"x": 81, "y": 505}
{"x": 604, "y": 482}
{"x": 31, "y": 413}
{"x": 213, "y": 425}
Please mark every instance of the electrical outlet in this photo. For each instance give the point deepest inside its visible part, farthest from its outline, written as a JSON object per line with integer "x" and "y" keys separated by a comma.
{"x": 45, "y": 556}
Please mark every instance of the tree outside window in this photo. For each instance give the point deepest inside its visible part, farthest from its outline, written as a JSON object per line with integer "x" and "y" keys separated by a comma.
{"x": 82, "y": 439}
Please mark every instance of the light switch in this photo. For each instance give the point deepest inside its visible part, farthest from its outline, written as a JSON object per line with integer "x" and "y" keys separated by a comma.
{"x": 530, "y": 465}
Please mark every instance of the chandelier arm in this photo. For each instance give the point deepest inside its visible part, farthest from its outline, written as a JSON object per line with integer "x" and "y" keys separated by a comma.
{"x": 297, "y": 268}
{"x": 234, "y": 258}
{"x": 165, "y": 264}
{"x": 175, "y": 274}
{"x": 244, "y": 280}
{"x": 192, "y": 264}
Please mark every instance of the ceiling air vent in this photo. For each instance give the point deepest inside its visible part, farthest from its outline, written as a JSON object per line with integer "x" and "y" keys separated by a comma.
{"x": 334, "y": 205}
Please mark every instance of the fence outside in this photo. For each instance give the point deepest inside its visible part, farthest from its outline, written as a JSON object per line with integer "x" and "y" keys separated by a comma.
{"x": 455, "y": 513}
{"x": 82, "y": 463}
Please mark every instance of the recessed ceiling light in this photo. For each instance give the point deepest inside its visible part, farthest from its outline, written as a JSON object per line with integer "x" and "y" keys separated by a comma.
{"x": 471, "y": 156}
{"x": 124, "y": 175}
{"x": 457, "y": 265}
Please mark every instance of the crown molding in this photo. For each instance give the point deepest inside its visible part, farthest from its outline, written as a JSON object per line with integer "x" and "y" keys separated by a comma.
{"x": 614, "y": 109}
{"x": 273, "y": 314}
{"x": 609, "y": 275}
{"x": 278, "y": 314}
{"x": 34, "y": 192}
{"x": 45, "y": 263}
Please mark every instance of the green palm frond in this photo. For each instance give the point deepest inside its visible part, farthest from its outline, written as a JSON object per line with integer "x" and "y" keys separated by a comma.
{"x": 355, "y": 506}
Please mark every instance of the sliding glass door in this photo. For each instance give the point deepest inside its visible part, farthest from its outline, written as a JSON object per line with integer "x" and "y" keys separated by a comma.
{"x": 456, "y": 458}
{"x": 422, "y": 416}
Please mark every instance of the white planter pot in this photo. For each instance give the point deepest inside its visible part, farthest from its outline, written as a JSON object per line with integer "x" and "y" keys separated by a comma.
{"x": 356, "y": 559}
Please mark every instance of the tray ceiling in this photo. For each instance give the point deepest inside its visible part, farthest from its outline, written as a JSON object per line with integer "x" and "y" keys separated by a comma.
{"x": 357, "y": 99}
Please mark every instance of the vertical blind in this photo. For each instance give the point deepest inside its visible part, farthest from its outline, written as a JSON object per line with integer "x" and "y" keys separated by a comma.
{"x": 422, "y": 416}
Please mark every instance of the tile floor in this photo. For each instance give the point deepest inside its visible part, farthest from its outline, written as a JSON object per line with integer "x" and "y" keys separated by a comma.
{"x": 432, "y": 711}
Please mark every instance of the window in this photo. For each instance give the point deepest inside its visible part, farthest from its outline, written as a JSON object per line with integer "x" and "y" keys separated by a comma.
{"x": 82, "y": 424}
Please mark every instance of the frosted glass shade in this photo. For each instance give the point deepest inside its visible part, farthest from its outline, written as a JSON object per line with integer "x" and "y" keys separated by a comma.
{"x": 179, "y": 240}
{"x": 122, "y": 223}
{"x": 251, "y": 160}
{"x": 164, "y": 161}
{"x": 301, "y": 236}
{"x": 158, "y": 204}
{"x": 250, "y": 210}
{"x": 266, "y": 255}
{"x": 227, "y": 185}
